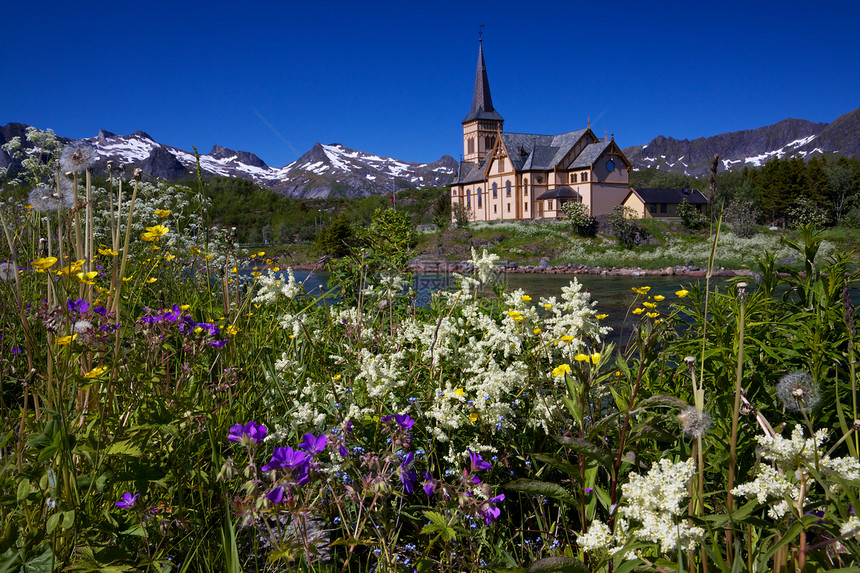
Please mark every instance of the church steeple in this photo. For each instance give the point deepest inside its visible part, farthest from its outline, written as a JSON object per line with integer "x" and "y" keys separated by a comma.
{"x": 483, "y": 121}
{"x": 482, "y": 103}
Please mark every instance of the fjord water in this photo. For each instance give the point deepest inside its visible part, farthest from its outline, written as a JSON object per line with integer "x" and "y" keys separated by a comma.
{"x": 614, "y": 294}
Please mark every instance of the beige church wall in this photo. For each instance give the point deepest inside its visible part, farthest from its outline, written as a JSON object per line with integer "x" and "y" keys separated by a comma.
{"x": 605, "y": 197}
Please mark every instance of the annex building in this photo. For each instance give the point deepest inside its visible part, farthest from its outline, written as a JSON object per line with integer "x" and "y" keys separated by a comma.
{"x": 509, "y": 176}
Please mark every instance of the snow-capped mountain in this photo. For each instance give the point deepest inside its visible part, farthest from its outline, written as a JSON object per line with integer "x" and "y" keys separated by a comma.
{"x": 751, "y": 148}
{"x": 324, "y": 170}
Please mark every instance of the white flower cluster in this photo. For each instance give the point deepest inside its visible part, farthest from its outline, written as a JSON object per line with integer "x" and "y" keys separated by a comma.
{"x": 272, "y": 285}
{"x": 793, "y": 456}
{"x": 651, "y": 510}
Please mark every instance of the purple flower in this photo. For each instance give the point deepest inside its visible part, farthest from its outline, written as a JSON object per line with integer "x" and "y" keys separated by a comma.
{"x": 477, "y": 462}
{"x": 127, "y": 500}
{"x": 173, "y": 314}
{"x": 287, "y": 458}
{"x": 276, "y": 495}
{"x": 16, "y": 350}
{"x": 343, "y": 451}
{"x": 313, "y": 444}
{"x": 429, "y": 485}
{"x": 150, "y": 319}
{"x": 100, "y": 310}
{"x": 218, "y": 343}
{"x": 78, "y": 305}
{"x": 212, "y": 329}
{"x": 407, "y": 475}
{"x": 588, "y": 490}
{"x": 250, "y": 431}
{"x": 404, "y": 421}
{"x": 489, "y": 511}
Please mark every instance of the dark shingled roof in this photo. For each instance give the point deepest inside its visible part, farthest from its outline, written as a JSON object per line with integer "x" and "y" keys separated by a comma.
{"x": 670, "y": 196}
{"x": 559, "y": 192}
{"x": 590, "y": 154}
{"x": 532, "y": 152}
{"x": 482, "y": 103}
{"x": 471, "y": 172}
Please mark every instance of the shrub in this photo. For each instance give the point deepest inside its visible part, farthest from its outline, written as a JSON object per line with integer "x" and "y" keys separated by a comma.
{"x": 741, "y": 215}
{"x": 805, "y": 211}
{"x": 691, "y": 217}
{"x": 628, "y": 233}
{"x": 580, "y": 221}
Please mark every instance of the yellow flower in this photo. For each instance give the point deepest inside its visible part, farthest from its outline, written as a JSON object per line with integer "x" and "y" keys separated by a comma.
{"x": 73, "y": 268}
{"x": 641, "y": 290}
{"x": 198, "y": 329}
{"x": 275, "y": 269}
{"x": 561, "y": 370}
{"x": 595, "y": 358}
{"x": 638, "y": 310}
{"x": 126, "y": 279}
{"x": 87, "y": 278}
{"x": 649, "y": 304}
{"x": 269, "y": 262}
{"x": 566, "y": 338}
{"x": 526, "y": 298}
{"x": 659, "y": 298}
{"x": 95, "y": 372}
{"x": 473, "y": 417}
{"x": 63, "y": 340}
{"x": 45, "y": 263}
{"x": 170, "y": 257}
{"x": 195, "y": 250}
{"x": 151, "y": 280}
{"x": 155, "y": 248}
{"x": 234, "y": 270}
{"x": 518, "y": 319}
{"x": 547, "y": 306}
{"x": 682, "y": 293}
{"x": 162, "y": 213}
{"x": 147, "y": 236}
{"x": 653, "y": 314}
{"x": 256, "y": 273}
{"x": 459, "y": 392}
{"x": 158, "y": 230}
{"x": 536, "y": 330}
{"x": 261, "y": 254}
{"x": 513, "y": 313}
{"x": 581, "y": 357}
{"x": 231, "y": 330}
{"x": 336, "y": 377}
{"x": 600, "y": 316}
{"x": 184, "y": 306}
{"x": 108, "y": 252}
{"x": 207, "y": 257}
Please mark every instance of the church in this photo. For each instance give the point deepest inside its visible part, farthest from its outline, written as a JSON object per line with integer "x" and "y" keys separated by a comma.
{"x": 522, "y": 176}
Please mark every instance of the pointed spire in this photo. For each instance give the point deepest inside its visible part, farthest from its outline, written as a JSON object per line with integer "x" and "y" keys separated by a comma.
{"x": 482, "y": 103}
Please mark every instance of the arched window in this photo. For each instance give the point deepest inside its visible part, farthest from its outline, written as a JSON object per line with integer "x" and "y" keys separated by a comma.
{"x": 468, "y": 198}
{"x": 525, "y": 187}
{"x": 495, "y": 191}
{"x": 478, "y": 195}
{"x": 508, "y": 188}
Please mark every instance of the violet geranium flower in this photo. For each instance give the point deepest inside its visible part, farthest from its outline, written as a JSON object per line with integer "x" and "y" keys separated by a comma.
{"x": 477, "y": 462}
{"x": 78, "y": 305}
{"x": 287, "y": 458}
{"x": 404, "y": 421}
{"x": 313, "y": 444}
{"x": 489, "y": 511}
{"x": 127, "y": 500}
{"x": 407, "y": 475}
{"x": 250, "y": 431}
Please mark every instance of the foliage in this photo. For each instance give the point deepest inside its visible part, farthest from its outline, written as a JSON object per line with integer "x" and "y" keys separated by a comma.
{"x": 805, "y": 211}
{"x": 742, "y": 216}
{"x": 337, "y": 239}
{"x": 691, "y": 217}
{"x": 625, "y": 230}
{"x": 577, "y": 214}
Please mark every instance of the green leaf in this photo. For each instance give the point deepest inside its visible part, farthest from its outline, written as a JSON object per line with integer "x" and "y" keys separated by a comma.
{"x": 558, "y": 463}
{"x": 439, "y": 525}
{"x": 123, "y": 448}
{"x": 53, "y": 521}
{"x": 23, "y": 490}
{"x": 544, "y": 488}
{"x": 589, "y": 450}
{"x": 558, "y": 565}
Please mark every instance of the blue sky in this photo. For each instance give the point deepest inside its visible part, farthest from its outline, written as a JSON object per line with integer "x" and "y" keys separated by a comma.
{"x": 396, "y": 78}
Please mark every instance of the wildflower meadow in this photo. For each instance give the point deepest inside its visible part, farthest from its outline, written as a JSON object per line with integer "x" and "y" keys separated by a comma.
{"x": 164, "y": 411}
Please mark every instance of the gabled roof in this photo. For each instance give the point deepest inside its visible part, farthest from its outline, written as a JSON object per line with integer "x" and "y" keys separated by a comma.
{"x": 670, "y": 196}
{"x": 471, "y": 172}
{"x": 590, "y": 154}
{"x": 482, "y": 103}
{"x": 532, "y": 152}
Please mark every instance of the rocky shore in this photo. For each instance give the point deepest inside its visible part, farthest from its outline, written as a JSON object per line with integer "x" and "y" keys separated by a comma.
{"x": 424, "y": 266}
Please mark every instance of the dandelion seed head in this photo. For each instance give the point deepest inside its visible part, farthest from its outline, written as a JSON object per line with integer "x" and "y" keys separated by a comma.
{"x": 798, "y": 392}
{"x": 694, "y": 423}
{"x": 77, "y": 157}
{"x": 7, "y": 271}
{"x": 82, "y": 326}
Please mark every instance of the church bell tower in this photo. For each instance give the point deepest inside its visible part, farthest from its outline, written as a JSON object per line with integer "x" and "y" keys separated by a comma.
{"x": 483, "y": 122}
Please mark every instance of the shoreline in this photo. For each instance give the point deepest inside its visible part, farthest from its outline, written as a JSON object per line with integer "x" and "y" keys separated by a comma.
{"x": 441, "y": 267}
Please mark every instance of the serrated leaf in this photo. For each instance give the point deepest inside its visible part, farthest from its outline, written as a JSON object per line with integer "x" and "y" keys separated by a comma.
{"x": 558, "y": 565}
{"x": 123, "y": 448}
{"x": 544, "y": 488}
